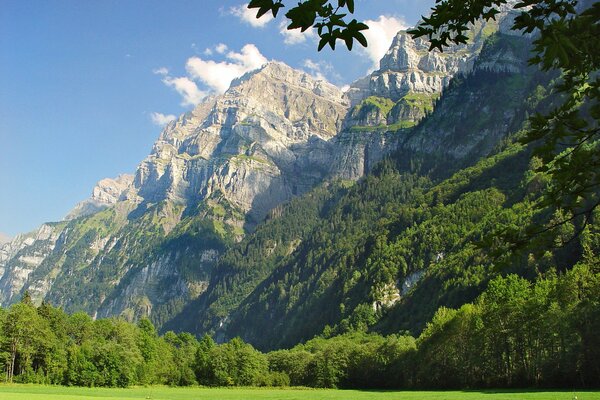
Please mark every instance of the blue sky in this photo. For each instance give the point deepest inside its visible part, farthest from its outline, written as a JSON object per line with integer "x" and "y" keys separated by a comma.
{"x": 85, "y": 84}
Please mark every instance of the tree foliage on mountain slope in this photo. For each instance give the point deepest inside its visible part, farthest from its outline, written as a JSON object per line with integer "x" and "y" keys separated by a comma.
{"x": 245, "y": 264}
{"x": 565, "y": 40}
{"x": 377, "y": 234}
{"x": 97, "y": 256}
{"x": 565, "y": 33}
{"x": 515, "y": 334}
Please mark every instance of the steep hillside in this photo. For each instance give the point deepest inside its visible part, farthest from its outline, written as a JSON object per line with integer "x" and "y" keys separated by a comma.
{"x": 336, "y": 275}
{"x": 145, "y": 245}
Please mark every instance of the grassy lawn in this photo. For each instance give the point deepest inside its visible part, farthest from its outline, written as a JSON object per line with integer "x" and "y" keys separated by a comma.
{"x": 37, "y": 392}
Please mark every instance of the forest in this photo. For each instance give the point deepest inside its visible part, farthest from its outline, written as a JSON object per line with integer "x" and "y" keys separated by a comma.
{"x": 515, "y": 334}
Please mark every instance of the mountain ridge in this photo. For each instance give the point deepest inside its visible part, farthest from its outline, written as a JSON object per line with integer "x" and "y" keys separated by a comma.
{"x": 148, "y": 245}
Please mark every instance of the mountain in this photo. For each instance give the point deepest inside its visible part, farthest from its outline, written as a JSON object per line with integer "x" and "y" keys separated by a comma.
{"x": 327, "y": 273}
{"x": 146, "y": 243}
{"x": 250, "y": 151}
{"x": 285, "y": 203}
{"x": 106, "y": 193}
{"x": 4, "y": 238}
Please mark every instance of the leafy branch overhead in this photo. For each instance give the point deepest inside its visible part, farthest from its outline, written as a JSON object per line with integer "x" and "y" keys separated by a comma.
{"x": 328, "y": 19}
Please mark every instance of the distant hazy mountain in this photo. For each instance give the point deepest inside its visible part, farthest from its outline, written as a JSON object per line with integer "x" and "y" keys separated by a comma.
{"x": 4, "y": 238}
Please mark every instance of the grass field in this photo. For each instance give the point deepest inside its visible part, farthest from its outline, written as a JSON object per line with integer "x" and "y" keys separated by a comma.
{"x": 37, "y": 392}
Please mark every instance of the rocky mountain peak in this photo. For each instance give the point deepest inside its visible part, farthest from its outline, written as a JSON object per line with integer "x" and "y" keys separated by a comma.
{"x": 280, "y": 72}
{"x": 241, "y": 146}
{"x": 106, "y": 192}
{"x": 409, "y": 66}
{"x": 410, "y": 78}
{"x": 110, "y": 191}
{"x": 4, "y": 238}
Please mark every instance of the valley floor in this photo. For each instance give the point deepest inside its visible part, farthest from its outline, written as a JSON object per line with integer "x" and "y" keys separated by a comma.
{"x": 39, "y": 392}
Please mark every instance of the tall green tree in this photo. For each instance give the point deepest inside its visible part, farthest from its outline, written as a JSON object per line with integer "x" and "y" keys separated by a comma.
{"x": 23, "y": 332}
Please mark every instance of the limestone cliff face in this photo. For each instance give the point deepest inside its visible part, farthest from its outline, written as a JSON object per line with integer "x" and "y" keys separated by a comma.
{"x": 21, "y": 256}
{"x": 106, "y": 192}
{"x": 246, "y": 144}
{"x": 408, "y": 66}
{"x": 412, "y": 77}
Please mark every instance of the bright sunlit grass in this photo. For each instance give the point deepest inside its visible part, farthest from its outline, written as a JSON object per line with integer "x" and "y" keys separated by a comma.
{"x": 39, "y": 392}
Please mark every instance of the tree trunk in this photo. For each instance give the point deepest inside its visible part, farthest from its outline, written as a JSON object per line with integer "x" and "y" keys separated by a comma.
{"x": 13, "y": 357}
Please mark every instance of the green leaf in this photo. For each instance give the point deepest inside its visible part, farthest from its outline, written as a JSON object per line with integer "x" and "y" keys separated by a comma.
{"x": 349, "y": 42}
{"x": 361, "y": 38}
{"x": 350, "y": 6}
{"x": 324, "y": 40}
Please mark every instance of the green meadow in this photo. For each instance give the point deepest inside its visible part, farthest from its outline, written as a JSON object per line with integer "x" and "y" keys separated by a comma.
{"x": 39, "y": 392}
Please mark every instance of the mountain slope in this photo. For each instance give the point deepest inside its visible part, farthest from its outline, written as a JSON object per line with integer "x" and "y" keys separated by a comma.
{"x": 145, "y": 245}
{"x": 331, "y": 278}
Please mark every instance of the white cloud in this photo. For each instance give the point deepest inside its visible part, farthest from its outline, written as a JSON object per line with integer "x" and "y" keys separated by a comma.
{"x": 161, "y": 119}
{"x": 218, "y": 75}
{"x": 214, "y": 76}
{"x": 321, "y": 70}
{"x": 248, "y": 16}
{"x": 186, "y": 88}
{"x": 249, "y": 57}
{"x": 294, "y": 36}
{"x": 314, "y": 68}
{"x": 380, "y": 34}
{"x": 160, "y": 71}
{"x": 221, "y": 48}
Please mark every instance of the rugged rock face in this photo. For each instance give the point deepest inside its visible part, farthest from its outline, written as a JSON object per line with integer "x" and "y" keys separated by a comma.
{"x": 243, "y": 147}
{"x": 411, "y": 78}
{"x": 21, "y": 256}
{"x": 106, "y": 192}
{"x": 408, "y": 66}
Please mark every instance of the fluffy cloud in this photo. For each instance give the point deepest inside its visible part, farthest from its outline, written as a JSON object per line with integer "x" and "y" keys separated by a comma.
{"x": 218, "y": 75}
{"x": 380, "y": 34}
{"x": 213, "y": 76}
{"x": 294, "y": 36}
{"x": 221, "y": 48}
{"x": 248, "y": 16}
{"x": 321, "y": 69}
{"x": 161, "y": 119}
{"x": 186, "y": 88}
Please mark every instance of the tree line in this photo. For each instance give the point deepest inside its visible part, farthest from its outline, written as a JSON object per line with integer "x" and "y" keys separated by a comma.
{"x": 515, "y": 334}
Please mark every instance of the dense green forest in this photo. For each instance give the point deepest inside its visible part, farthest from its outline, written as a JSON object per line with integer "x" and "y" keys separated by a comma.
{"x": 515, "y": 334}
